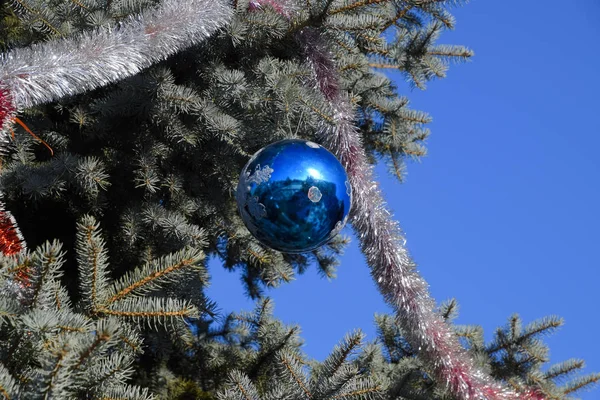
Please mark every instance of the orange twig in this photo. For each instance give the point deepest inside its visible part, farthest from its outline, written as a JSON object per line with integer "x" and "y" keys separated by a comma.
{"x": 18, "y": 121}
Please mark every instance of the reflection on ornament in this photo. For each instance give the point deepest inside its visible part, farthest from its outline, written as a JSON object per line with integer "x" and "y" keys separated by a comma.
{"x": 257, "y": 210}
{"x": 314, "y": 194}
{"x": 260, "y": 175}
{"x": 339, "y": 226}
{"x": 294, "y": 196}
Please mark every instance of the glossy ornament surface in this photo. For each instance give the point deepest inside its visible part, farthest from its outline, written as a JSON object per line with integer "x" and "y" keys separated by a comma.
{"x": 294, "y": 195}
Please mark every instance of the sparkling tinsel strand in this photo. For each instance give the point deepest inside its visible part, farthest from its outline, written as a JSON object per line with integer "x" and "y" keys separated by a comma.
{"x": 7, "y": 108}
{"x": 382, "y": 243}
{"x": 11, "y": 240}
{"x": 12, "y": 244}
{"x": 48, "y": 71}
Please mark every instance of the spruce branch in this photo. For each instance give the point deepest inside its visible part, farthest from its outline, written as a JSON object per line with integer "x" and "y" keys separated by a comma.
{"x": 513, "y": 333}
{"x": 585, "y": 382}
{"x": 450, "y": 53}
{"x": 472, "y": 333}
{"x": 355, "y": 5}
{"x": 91, "y": 176}
{"x": 157, "y": 273}
{"x": 113, "y": 369}
{"x": 92, "y": 259}
{"x": 449, "y": 310}
{"x": 45, "y": 273}
{"x": 41, "y": 18}
{"x": 270, "y": 348}
{"x": 564, "y": 369}
{"x": 363, "y": 389}
{"x": 350, "y": 344}
{"x": 239, "y": 387}
{"x": 9, "y": 387}
{"x": 56, "y": 322}
{"x": 54, "y": 374}
{"x": 293, "y": 374}
{"x": 9, "y": 309}
{"x": 125, "y": 392}
{"x": 400, "y": 14}
{"x": 544, "y": 326}
{"x": 151, "y": 311}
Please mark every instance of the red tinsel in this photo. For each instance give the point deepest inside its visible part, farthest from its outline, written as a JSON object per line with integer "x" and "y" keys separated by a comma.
{"x": 7, "y": 108}
{"x": 10, "y": 238}
{"x": 12, "y": 243}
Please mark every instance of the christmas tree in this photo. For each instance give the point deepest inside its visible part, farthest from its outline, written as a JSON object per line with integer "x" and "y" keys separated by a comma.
{"x": 125, "y": 127}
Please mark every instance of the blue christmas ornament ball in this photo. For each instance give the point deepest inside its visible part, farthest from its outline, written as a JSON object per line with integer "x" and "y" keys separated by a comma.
{"x": 294, "y": 196}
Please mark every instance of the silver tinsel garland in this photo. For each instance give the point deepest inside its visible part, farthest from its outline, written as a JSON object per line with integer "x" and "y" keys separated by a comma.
{"x": 48, "y": 71}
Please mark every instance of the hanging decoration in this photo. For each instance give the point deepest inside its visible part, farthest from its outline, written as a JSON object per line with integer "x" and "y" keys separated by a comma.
{"x": 294, "y": 196}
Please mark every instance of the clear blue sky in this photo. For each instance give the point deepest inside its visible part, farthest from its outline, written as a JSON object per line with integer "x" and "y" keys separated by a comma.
{"x": 504, "y": 212}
